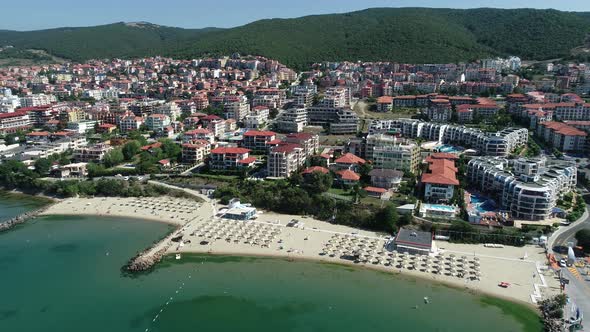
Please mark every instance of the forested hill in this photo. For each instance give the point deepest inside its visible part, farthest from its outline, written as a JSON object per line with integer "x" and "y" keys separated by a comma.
{"x": 396, "y": 34}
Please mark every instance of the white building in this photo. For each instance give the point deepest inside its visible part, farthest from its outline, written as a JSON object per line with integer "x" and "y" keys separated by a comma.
{"x": 292, "y": 120}
{"x": 524, "y": 187}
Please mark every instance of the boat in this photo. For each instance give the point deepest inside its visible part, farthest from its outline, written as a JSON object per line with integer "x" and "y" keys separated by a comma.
{"x": 177, "y": 256}
{"x": 426, "y": 300}
{"x": 504, "y": 284}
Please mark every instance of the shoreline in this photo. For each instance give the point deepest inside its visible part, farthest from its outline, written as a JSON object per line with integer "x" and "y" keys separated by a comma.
{"x": 199, "y": 231}
{"x": 376, "y": 268}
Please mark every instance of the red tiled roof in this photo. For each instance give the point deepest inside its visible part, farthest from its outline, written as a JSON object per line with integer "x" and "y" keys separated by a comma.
{"x": 287, "y": 147}
{"x": 563, "y": 129}
{"x": 198, "y": 131}
{"x": 385, "y": 100}
{"x": 375, "y": 190}
{"x": 259, "y": 133}
{"x": 348, "y": 175}
{"x": 312, "y": 169}
{"x": 229, "y": 150}
{"x": 164, "y": 161}
{"x": 38, "y": 133}
{"x": 151, "y": 146}
{"x": 443, "y": 155}
{"x": 350, "y": 158}
{"x": 442, "y": 171}
{"x": 274, "y": 141}
{"x": 248, "y": 160}
{"x": 13, "y": 114}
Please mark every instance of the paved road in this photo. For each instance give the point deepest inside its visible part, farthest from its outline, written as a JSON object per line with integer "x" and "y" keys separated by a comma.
{"x": 578, "y": 288}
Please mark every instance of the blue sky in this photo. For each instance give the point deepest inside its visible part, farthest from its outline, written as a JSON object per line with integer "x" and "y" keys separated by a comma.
{"x": 41, "y": 14}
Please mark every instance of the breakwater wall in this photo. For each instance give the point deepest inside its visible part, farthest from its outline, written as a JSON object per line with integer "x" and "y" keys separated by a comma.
{"x": 21, "y": 218}
{"x": 148, "y": 258}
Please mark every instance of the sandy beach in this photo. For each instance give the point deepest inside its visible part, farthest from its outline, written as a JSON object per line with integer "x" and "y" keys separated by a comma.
{"x": 474, "y": 267}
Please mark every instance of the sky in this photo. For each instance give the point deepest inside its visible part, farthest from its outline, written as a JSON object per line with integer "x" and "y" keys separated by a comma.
{"x": 43, "y": 14}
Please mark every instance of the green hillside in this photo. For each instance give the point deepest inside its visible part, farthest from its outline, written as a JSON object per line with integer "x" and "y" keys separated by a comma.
{"x": 112, "y": 40}
{"x": 396, "y": 34}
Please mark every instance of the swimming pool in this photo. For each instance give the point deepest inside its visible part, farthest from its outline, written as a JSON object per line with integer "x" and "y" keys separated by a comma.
{"x": 449, "y": 148}
{"x": 440, "y": 207}
{"x": 482, "y": 204}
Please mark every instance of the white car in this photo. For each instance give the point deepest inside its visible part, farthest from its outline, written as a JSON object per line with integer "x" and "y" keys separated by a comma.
{"x": 563, "y": 263}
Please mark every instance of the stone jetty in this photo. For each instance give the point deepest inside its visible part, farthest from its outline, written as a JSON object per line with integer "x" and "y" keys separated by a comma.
{"x": 22, "y": 218}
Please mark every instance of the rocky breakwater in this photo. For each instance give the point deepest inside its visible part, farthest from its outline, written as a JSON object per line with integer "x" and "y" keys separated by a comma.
{"x": 148, "y": 258}
{"x": 21, "y": 218}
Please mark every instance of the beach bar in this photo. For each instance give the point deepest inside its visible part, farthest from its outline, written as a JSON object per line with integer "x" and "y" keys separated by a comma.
{"x": 413, "y": 242}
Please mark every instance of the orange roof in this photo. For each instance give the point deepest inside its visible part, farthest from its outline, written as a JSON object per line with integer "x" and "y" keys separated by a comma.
{"x": 229, "y": 150}
{"x": 442, "y": 155}
{"x": 385, "y": 100}
{"x": 38, "y": 133}
{"x": 248, "y": 160}
{"x": 375, "y": 190}
{"x": 259, "y": 133}
{"x": 312, "y": 169}
{"x": 442, "y": 171}
{"x": 348, "y": 175}
{"x": 563, "y": 129}
{"x": 350, "y": 158}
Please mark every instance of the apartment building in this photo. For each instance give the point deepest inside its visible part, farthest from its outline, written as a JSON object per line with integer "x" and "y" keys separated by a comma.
{"x": 439, "y": 110}
{"x": 236, "y": 107}
{"x": 198, "y": 134}
{"x": 338, "y": 121}
{"x": 285, "y": 160}
{"x": 94, "y": 153}
{"x": 496, "y": 144}
{"x": 562, "y": 136}
{"x": 229, "y": 158}
{"x": 292, "y": 120}
{"x": 277, "y": 96}
{"x": 130, "y": 123}
{"x": 525, "y": 188}
{"x": 309, "y": 142}
{"x": 217, "y": 127}
{"x": 196, "y": 152}
{"x": 13, "y": 122}
{"x": 384, "y": 104}
{"x": 258, "y": 118}
{"x": 157, "y": 122}
{"x": 258, "y": 140}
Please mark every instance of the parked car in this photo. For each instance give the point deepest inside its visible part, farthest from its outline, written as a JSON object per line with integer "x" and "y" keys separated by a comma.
{"x": 563, "y": 263}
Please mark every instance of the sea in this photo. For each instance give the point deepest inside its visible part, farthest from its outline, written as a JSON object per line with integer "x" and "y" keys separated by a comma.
{"x": 64, "y": 273}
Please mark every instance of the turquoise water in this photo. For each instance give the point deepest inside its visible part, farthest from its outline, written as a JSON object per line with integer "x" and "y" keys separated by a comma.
{"x": 441, "y": 207}
{"x": 12, "y": 205}
{"x": 64, "y": 275}
{"x": 481, "y": 203}
{"x": 449, "y": 148}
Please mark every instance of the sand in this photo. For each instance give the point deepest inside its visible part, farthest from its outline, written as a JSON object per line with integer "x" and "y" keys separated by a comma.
{"x": 269, "y": 235}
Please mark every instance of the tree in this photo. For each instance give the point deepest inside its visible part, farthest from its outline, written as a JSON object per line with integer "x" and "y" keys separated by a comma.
{"x": 131, "y": 149}
{"x": 170, "y": 149}
{"x": 113, "y": 158}
{"x": 583, "y": 238}
{"x": 317, "y": 182}
{"x": 388, "y": 218}
{"x": 42, "y": 166}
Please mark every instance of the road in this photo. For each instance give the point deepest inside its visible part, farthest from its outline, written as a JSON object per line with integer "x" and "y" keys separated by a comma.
{"x": 578, "y": 288}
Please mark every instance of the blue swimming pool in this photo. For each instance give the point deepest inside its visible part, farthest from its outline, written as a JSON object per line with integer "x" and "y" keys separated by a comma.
{"x": 448, "y": 148}
{"x": 482, "y": 204}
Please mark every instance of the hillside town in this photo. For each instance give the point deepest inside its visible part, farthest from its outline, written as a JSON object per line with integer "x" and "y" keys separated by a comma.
{"x": 492, "y": 142}
{"x": 380, "y": 158}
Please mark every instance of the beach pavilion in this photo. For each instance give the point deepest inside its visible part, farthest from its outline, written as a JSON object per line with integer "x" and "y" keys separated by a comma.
{"x": 414, "y": 242}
